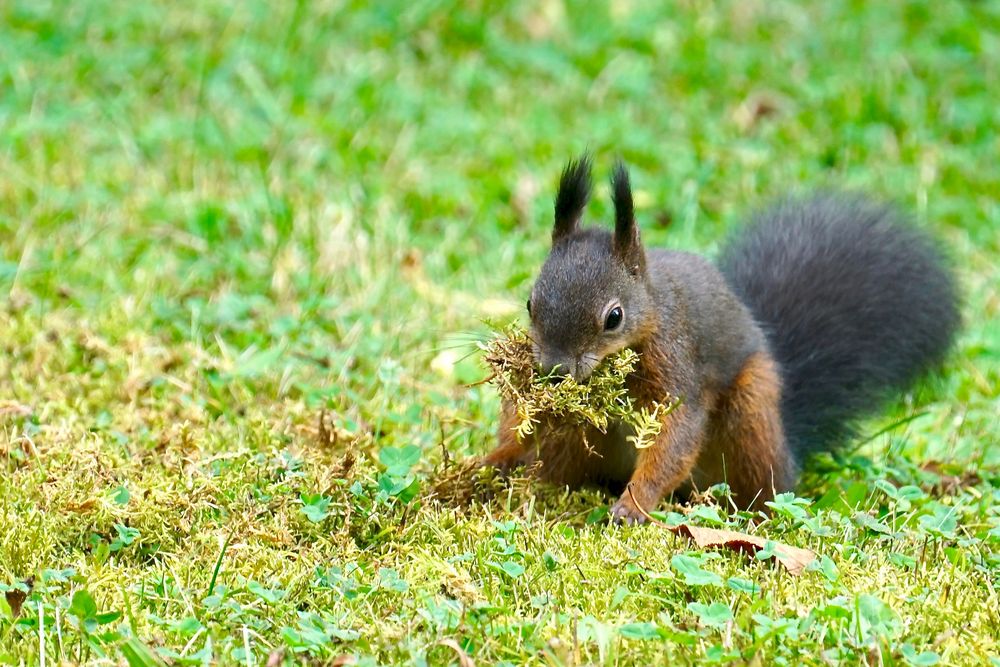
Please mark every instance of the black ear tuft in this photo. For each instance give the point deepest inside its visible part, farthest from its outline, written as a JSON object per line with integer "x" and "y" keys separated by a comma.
{"x": 627, "y": 244}
{"x": 621, "y": 195}
{"x": 574, "y": 192}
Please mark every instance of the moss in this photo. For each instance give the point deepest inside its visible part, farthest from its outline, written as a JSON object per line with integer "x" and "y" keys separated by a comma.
{"x": 599, "y": 402}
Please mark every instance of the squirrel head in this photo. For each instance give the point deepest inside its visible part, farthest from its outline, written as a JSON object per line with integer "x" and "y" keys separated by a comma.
{"x": 592, "y": 296}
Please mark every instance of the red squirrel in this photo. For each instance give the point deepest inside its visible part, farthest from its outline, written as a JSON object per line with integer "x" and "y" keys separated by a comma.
{"x": 811, "y": 316}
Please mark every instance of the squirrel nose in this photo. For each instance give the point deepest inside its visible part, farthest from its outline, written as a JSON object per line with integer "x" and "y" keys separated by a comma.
{"x": 557, "y": 369}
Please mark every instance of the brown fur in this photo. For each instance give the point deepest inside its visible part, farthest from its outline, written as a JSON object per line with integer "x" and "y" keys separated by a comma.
{"x": 665, "y": 465}
{"x": 745, "y": 441}
{"x": 565, "y": 455}
{"x": 510, "y": 452}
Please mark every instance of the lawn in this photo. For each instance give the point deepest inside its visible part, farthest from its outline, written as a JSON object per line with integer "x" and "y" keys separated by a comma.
{"x": 247, "y": 251}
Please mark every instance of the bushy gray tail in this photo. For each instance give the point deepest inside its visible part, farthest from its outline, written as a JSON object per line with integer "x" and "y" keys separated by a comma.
{"x": 854, "y": 302}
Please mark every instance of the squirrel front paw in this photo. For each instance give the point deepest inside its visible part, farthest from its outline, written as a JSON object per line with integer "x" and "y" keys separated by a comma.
{"x": 626, "y": 512}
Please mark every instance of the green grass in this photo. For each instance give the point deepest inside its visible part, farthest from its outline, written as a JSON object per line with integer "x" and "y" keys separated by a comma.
{"x": 245, "y": 251}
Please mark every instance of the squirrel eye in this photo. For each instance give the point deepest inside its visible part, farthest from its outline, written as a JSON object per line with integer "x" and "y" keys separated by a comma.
{"x": 529, "y": 307}
{"x": 614, "y": 318}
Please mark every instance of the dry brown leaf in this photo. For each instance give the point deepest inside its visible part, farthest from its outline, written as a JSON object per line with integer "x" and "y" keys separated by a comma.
{"x": 15, "y": 598}
{"x": 794, "y": 559}
{"x": 463, "y": 658}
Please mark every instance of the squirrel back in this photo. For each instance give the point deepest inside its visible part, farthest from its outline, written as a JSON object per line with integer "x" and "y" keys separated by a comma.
{"x": 853, "y": 302}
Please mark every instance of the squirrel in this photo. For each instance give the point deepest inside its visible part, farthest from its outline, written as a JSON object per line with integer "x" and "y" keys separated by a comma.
{"x": 810, "y": 317}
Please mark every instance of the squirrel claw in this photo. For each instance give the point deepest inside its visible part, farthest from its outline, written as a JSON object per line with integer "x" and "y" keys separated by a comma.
{"x": 624, "y": 512}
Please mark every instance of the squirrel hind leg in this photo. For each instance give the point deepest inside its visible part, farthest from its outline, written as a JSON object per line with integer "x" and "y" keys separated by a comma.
{"x": 747, "y": 446}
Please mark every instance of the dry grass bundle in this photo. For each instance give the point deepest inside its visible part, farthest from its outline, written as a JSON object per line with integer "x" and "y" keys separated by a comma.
{"x": 459, "y": 484}
{"x": 600, "y": 401}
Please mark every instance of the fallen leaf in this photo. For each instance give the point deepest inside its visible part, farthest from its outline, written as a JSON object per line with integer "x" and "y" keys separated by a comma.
{"x": 463, "y": 658}
{"x": 15, "y": 598}
{"x": 794, "y": 559}
{"x": 276, "y": 657}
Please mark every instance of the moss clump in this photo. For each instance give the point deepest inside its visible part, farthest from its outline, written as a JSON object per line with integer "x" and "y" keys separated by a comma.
{"x": 600, "y": 401}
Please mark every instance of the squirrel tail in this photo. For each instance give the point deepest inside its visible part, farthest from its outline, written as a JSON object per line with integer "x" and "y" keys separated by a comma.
{"x": 854, "y": 304}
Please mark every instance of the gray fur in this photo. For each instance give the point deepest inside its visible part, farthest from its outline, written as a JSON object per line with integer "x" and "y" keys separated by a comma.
{"x": 581, "y": 276}
{"x": 627, "y": 245}
{"x": 574, "y": 193}
{"x": 722, "y": 328}
{"x": 854, "y": 302}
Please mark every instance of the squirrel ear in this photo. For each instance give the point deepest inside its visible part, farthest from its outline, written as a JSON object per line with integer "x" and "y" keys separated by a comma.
{"x": 627, "y": 245}
{"x": 574, "y": 192}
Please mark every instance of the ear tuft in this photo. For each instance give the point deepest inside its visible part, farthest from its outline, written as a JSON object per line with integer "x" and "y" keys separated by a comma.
{"x": 574, "y": 193}
{"x": 627, "y": 244}
{"x": 621, "y": 195}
